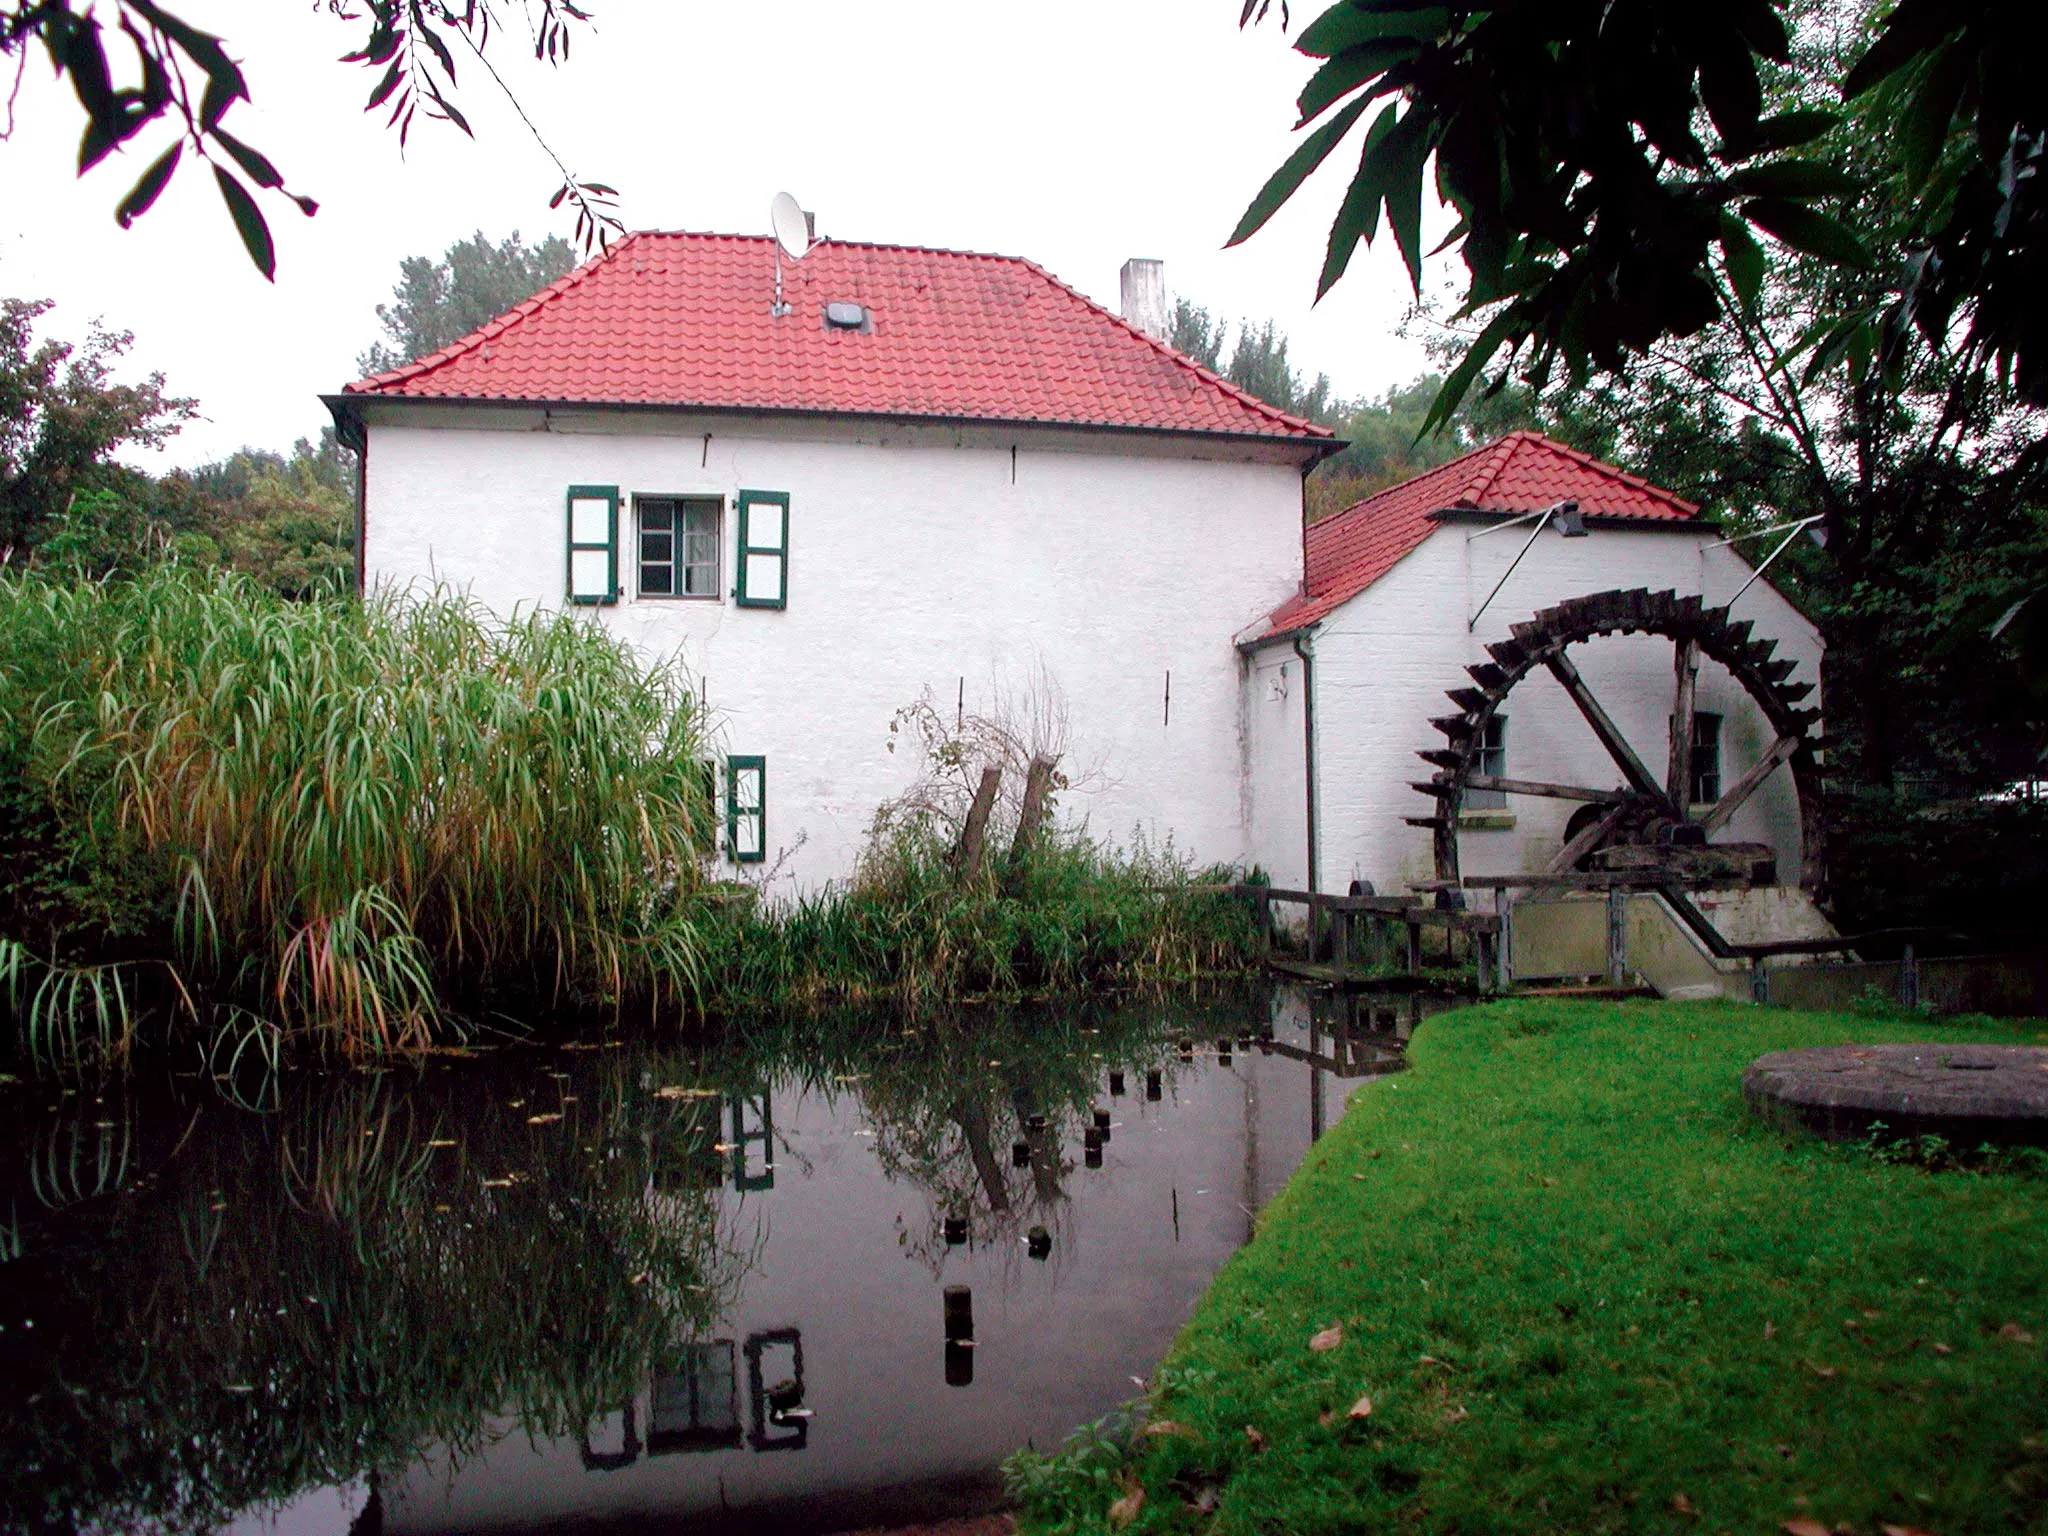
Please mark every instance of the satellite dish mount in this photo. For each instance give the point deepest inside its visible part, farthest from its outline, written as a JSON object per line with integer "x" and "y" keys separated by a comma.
{"x": 792, "y": 228}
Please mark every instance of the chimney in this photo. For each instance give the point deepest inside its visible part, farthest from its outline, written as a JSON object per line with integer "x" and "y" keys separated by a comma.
{"x": 1144, "y": 294}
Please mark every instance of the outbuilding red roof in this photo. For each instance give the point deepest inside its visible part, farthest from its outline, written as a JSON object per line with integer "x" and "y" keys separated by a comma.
{"x": 683, "y": 320}
{"x": 1522, "y": 472}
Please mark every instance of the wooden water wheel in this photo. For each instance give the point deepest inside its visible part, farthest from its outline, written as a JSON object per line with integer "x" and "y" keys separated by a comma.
{"x": 1643, "y": 824}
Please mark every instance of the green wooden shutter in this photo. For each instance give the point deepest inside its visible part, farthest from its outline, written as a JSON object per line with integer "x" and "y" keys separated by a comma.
{"x": 593, "y": 544}
{"x": 763, "y": 562}
{"x": 746, "y": 809}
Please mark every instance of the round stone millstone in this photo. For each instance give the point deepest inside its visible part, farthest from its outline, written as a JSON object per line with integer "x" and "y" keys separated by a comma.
{"x": 1966, "y": 1094}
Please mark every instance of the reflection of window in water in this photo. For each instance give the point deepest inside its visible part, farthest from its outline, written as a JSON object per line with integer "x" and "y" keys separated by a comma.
{"x": 775, "y": 1388}
{"x": 610, "y": 1441}
{"x": 753, "y": 1144}
{"x": 696, "y": 1407}
{"x": 686, "y": 1155}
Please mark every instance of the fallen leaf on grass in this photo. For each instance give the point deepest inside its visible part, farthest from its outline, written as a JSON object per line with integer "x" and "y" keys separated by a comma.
{"x": 1168, "y": 1427}
{"x": 1328, "y": 1339}
{"x": 1432, "y": 1360}
{"x": 1681, "y": 1505}
{"x": 1903, "y": 1530}
{"x": 442, "y": 1141}
{"x": 1943, "y": 1349}
{"x": 674, "y": 1092}
{"x": 1822, "y": 1371}
{"x": 1125, "y": 1509}
{"x": 1805, "y": 1527}
{"x": 1258, "y": 1441}
{"x": 1204, "y": 1503}
{"x": 1362, "y": 1409}
{"x": 2016, "y": 1333}
{"x": 1454, "y": 1415}
{"x": 548, "y": 1119}
{"x": 1770, "y": 1331}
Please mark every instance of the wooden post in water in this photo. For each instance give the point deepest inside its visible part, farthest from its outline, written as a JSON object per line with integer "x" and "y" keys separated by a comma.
{"x": 967, "y": 857}
{"x": 1414, "y": 948}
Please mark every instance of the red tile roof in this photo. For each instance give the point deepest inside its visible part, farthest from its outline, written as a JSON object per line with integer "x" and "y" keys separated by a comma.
{"x": 683, "y": 320}
{"x": 1522, "y": 472}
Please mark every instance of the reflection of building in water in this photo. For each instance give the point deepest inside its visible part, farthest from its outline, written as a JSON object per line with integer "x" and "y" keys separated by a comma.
{"x": 697, "y": 1407}
{"x": 705, "y": 1138}
{"x": 777, "y": 1359}
{"x": 753, "y": 1143}
{"x": 691, "y": 1402}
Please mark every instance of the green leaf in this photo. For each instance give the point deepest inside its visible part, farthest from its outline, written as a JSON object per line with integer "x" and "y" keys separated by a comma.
{"x": 1346, "y": 73}
{"x": 1745, "y": 260}
{"x": 1348, "y": 24}
{"x": 1793, "y": 179}
{"x": 1789, "y": 130}
{"x": 1287, "y": 180}
{"x": 1930, "y": 110}
{"x": 249, "y": 223}
{"x": 146, "y": 191}
{"x": 1358, "y": 218}
{"x": 1802, "y": 229}
{"x": 1406, "y": 148}
{"x": 259, "y": 170}
{"x": 1913, "y": 28}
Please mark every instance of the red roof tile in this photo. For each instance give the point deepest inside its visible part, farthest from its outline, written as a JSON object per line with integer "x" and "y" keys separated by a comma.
{"x": 1522, "y": 472}
{"x": 683, "y": 320}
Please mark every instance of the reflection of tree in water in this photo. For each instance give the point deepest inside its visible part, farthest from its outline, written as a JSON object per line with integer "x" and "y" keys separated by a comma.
{"x": 951, "y": 1098}
{"x": 230, "y": 1307}
{"x": 276, "y": 1302}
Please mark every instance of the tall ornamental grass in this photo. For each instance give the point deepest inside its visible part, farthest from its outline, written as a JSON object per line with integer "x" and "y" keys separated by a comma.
{"x": 332, "y": 817}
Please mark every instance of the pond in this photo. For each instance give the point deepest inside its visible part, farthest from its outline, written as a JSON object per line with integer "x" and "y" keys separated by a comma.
{"x": 808, "y": 1275}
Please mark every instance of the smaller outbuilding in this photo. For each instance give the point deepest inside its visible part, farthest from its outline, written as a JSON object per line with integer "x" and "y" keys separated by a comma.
{"x": 1619, "y": 682}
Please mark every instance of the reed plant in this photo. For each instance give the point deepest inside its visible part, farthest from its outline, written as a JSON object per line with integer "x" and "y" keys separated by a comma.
{"x": 1071, "y": 916}
{"x": 337, "y": 816}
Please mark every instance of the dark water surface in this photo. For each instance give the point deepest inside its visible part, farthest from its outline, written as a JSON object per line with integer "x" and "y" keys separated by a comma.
{"x": 666, "y": 1289}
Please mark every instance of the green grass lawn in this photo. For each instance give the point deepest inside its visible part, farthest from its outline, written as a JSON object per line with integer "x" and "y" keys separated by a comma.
{"x": 1585, "y": 1290}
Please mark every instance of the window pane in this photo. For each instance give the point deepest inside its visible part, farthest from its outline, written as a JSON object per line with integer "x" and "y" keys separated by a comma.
{"x": 1490, "y": 759}
{"x": 700, "y": 580}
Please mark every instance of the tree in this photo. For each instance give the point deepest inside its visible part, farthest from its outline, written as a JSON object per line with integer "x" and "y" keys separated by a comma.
{"x": 63, "y": 418}
{"x": 187, "y": 85}
{"x": 438, "y": 302}
{"x": 1613, "y": 162}
{"x": 1258, "y": 363}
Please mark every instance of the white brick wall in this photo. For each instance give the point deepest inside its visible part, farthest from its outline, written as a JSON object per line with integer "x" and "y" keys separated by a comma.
{"x": 915, "y": 562}
{"x": 1384, "y": 660}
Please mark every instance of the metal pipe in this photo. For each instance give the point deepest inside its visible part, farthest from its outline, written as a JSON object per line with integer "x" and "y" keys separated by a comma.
{"x": 1784, "y": 544}
{"x": 1542, "y": 521}
{"x": 1308, "y": 752}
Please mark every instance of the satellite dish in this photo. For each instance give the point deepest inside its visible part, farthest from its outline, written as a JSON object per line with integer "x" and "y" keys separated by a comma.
{"x": 792, "y": 229}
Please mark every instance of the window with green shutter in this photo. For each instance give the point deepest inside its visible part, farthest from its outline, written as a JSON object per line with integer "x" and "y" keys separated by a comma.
{"x": 762, "y": 579}
{"x": 746, "y": 809}
{"x": 593, "y": 543}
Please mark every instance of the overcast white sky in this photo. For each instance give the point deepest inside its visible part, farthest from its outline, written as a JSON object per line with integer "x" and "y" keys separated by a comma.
{"x": 1074, "y": 132}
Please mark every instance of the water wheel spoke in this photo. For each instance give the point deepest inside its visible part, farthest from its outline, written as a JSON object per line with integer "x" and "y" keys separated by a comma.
{"x": 1726, "y": 807}
{"x": 1549, "y": 791}
{"x": 1609, "y": 733}
{"x": 1678, "y": 780}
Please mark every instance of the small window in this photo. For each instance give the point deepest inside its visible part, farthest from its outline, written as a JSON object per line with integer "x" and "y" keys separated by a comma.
{"x": 678, "y": 546}
{"x": 593, "y": 543}
{"x": 763, "y": 564}
{"x": 1491, "y": 759}
{"x": 746, "y": 809}
{"x": 1706, "y": 759}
